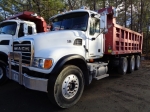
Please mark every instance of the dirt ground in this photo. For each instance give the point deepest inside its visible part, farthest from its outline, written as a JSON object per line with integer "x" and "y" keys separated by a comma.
{"x": 129, "y": 93}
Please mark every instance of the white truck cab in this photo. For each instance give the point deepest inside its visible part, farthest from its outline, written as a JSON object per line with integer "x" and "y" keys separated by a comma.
{"x": 13, "y": 28}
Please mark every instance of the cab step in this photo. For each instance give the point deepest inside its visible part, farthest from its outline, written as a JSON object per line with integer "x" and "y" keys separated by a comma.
{"x": 101, "y": 76}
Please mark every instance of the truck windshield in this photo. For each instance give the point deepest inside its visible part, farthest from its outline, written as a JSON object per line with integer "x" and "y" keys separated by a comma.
{"x": 8, "y": 28}
{"x": 72, "y": 21}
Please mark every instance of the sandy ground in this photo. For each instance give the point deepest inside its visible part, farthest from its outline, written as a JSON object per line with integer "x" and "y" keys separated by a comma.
{"x": 129, "y": 93}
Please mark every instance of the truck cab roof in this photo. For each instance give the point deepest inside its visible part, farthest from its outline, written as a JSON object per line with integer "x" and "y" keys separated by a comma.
{"x": 74, "y": 11}
{"x": 27, "y": 16}
{"x": 18, "y": 21}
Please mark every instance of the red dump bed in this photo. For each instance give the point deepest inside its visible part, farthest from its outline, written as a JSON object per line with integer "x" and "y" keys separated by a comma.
{"x": 120, "y": 40}
{"x": 41, "y": 24}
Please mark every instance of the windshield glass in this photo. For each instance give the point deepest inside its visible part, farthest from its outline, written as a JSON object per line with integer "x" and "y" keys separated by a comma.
{"x": 8, "y": 28}
{"x": 73, "y": 21}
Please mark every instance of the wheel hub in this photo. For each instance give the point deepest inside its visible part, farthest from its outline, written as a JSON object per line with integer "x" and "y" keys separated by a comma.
{"x": 1, "y": 73}
{"x": 70, "y": 86}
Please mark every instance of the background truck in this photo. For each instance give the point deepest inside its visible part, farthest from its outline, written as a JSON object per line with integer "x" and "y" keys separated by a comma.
{"x": 22, "y": 24}
{"x": 83, "y": 45}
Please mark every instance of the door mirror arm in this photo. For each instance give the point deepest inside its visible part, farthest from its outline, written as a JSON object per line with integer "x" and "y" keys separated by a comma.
{"x": 94, "y": 38}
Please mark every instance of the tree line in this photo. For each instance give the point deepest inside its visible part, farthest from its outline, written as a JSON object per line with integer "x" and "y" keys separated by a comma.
{"x": 133, "y": 14}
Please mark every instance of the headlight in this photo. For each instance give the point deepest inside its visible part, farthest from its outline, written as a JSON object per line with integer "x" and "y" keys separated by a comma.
{"x": 42, "y": 63}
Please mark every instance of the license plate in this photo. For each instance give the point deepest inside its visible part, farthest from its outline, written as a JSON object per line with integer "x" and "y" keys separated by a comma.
{"x": 15, "y": 77}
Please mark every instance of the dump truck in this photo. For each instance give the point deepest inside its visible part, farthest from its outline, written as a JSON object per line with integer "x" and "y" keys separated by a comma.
{"x": 83, "y": 45}
{"x": 21, "y": 24}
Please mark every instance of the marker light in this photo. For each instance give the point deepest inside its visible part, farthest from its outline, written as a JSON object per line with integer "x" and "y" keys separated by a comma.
{"x": 47, "y": 63}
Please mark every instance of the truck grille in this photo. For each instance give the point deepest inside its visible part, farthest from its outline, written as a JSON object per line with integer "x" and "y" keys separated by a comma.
{"x": 26, "y": 49}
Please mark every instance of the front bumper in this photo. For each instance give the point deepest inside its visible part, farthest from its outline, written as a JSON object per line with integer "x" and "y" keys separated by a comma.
{"x": 30, "y": 82}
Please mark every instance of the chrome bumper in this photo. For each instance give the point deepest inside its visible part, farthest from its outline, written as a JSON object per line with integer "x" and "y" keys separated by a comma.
{"x": 34, "y": 83}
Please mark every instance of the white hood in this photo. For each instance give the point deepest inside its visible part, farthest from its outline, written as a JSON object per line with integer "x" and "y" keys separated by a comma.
{"x": 55, "y": 45}
{"x": 5, "y": 37}
{"x": 49, "y": 41}
{"x": 56, "y": 34}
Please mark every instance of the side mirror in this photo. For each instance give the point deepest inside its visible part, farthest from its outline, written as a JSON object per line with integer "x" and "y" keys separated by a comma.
{"x": 25, "y": 29}
{"x": 34, "y": 29}
{"x": 115, "y": 13}
{"x": 103, "y": 23}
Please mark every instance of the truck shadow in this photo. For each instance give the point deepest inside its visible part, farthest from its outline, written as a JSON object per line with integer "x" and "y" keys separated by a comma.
{"x": 14, "y": 97}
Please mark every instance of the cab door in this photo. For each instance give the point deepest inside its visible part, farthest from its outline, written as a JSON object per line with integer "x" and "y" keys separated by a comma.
{"x": 95, "y": 39}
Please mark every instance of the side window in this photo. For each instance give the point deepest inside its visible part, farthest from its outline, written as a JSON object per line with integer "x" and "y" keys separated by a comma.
{"x": 94, "y": 26}
{"x": 29, "y": 30}
{"x": 21, "y": 33}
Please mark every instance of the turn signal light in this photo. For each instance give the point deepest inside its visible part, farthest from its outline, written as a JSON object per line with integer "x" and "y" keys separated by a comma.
{"x": 48, "y": 64}
{"x": 91, "y": 60}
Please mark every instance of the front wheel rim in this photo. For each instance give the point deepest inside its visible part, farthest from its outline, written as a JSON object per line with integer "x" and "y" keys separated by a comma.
{"x": 70, "y": 86}
{"x": 1, "y": 73}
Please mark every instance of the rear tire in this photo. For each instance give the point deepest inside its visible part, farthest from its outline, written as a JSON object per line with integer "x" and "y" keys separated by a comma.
{"x": 123, "y": 65}
{"x": 67, "y": 88}
{"x": 131, "y": 64}
{"x": 3, "y": 77}
{"x": 137, "y": 62}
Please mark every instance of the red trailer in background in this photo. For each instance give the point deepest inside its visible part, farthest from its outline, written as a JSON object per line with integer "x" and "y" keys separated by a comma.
{"x": 41, "y": 25}
{"x": 118, "y": 39}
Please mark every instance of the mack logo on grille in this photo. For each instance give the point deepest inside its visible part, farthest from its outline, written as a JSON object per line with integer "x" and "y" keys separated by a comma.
{"x": 22, "y": 48}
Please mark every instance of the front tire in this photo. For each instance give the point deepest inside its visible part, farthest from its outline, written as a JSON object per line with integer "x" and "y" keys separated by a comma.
{"x": 67, "y": 88}
{"x": 3, "y": 77}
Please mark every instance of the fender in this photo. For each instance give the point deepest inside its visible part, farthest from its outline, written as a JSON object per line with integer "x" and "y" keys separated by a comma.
{"x": 67, "y": 60}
